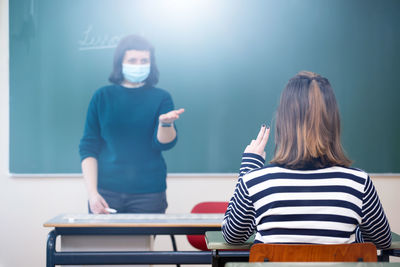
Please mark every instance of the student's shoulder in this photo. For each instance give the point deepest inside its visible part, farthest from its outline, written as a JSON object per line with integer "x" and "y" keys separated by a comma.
{"x": 356, "y": 175}
{"x": 267, "y": 171}
{"x": 352, "y": 171}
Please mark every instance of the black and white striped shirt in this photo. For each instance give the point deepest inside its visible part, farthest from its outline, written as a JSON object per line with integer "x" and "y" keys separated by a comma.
{"x": 333, "y": 205}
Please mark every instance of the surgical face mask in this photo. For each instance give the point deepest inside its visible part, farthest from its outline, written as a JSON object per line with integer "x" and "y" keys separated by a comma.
{"x": 135, "y": 73}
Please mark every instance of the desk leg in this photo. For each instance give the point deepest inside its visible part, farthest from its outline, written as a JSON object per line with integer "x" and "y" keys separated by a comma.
{"x": 51, "y": 249}
{"x": 215, "y": 258}
{"x": 384, "y": 256}
{"x": 174, "y": 247}
{"x": 219, "y": 258}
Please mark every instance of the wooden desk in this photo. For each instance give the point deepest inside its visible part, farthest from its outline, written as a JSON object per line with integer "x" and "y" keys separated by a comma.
{"x": 216, "y": 242}
{"x": 130, "y": 224}
{"x": 313, "y": 264}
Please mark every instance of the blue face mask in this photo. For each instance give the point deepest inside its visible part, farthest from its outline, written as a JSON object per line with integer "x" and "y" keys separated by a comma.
{"x": 135, "y": 73}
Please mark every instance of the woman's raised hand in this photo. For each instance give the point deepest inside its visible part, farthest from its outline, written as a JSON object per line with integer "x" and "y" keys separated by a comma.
{"x": 257, "y": 146}
{"x": 171, "y": 116}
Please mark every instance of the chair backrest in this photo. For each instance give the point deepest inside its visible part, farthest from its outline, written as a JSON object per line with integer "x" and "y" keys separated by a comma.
{"x": 198, "y": 241}
{"x": 308, "y": 253}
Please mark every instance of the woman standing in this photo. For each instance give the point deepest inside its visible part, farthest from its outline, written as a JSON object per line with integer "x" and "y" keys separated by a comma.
{"x": 128, "y": 125}
{"x": 308, "y": 194}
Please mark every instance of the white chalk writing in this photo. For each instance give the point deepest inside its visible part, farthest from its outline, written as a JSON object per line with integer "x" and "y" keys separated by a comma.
{"x": 92, "y": 42}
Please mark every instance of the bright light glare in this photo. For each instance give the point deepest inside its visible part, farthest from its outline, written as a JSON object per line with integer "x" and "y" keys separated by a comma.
{"x": 185, "y": 10}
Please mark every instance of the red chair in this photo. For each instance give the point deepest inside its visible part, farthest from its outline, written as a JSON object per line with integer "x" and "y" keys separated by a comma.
{"x": 198, "y": 241}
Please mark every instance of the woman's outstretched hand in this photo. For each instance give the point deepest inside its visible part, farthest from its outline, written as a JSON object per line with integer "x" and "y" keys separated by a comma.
{"x": 171, "y": 116}
{"x": 257, "y": 146}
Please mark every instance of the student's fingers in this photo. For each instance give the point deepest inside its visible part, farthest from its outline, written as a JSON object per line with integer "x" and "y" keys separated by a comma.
{"x": 260, "y": 133}
{"x": 264, "y": 139}
{"x": 251, "y": 148}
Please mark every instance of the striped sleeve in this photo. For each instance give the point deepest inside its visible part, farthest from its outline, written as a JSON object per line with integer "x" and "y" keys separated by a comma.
{"x": 239, "y": 220}
{"x": 374, "y": 225}
{"x": 250, "y": 162}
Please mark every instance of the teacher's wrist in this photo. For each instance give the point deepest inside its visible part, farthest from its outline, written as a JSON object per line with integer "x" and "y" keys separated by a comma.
{"x": 93, "y": 192}
{"x": 166, "y": 124}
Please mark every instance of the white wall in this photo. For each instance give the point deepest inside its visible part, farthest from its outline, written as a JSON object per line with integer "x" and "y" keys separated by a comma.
{"x": 26, "y": 203}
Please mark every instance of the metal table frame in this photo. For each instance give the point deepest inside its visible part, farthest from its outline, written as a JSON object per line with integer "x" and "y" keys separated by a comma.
{"x": 217, "y": 244}
{"x": 217, "y": 256}
{"x": 54, "y": 257}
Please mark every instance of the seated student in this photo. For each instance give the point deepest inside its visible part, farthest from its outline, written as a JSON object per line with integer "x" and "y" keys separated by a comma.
{"x": 309, "y": 193}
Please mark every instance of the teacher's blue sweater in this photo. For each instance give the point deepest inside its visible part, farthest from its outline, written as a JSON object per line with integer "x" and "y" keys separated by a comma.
{"x": 121, "y": 133}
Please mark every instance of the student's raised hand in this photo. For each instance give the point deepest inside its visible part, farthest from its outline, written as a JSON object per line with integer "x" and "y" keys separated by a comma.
{"x": 257, "y": 146}
{"x": 171, "y": 116}
{"x": 97, "y": 204}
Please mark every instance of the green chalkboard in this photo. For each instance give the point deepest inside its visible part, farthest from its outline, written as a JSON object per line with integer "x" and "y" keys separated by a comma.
{"x": 225, "y": 61}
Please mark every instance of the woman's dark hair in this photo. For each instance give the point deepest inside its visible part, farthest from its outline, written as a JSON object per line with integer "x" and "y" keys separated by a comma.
{"x": 133, "y": 42}
{"x": 308, "y": 124}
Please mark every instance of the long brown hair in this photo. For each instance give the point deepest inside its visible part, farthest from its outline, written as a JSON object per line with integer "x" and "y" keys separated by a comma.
{"x": 308, "y": 125}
